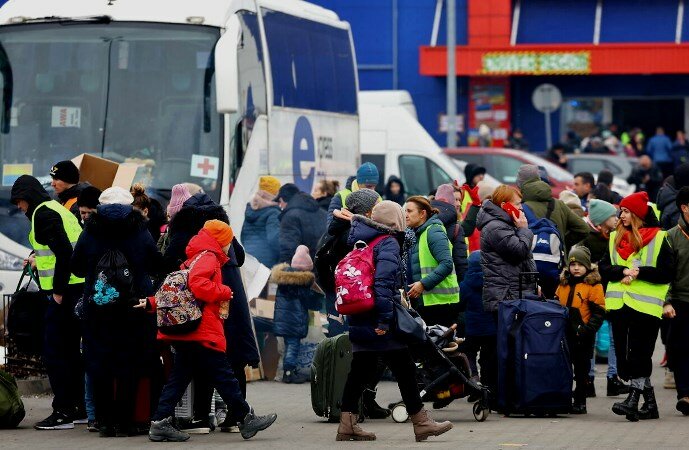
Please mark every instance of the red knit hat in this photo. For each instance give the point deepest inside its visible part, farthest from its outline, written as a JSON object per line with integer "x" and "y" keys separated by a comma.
{"x": 637, "y": 203}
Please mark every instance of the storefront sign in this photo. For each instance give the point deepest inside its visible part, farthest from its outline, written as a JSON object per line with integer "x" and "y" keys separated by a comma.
{"x": 489, "y": 105}
{"x": 537, "y": 63}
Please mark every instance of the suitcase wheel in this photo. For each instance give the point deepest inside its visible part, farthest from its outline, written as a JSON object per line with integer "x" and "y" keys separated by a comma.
{"x": 480, "y": 412}
{"x": 399, "y": 413}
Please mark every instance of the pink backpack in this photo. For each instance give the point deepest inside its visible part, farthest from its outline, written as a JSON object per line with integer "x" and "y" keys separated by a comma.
{"x": 354, "y": 277}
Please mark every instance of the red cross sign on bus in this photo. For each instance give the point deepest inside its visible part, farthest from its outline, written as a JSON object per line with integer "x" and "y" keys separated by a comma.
{"x": 203, "y": 166}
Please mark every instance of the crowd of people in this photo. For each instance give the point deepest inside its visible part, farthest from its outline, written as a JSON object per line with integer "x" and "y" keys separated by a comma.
{"x": 453, "y": 255}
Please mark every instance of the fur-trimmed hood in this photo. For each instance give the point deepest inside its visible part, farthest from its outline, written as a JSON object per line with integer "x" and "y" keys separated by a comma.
{"x": 284, "y": 274}
{"x": 592, "y": 278}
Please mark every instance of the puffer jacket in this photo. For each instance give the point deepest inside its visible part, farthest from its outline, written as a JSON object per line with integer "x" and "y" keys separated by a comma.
{"x": 302, "y": 222}
{"x": 206, "y": 284}
{"x": 478, "y": 322}
{"x": 585, "y": 299}
{"x": 387, "y": 282}
{"x": 455, "y": 232}
{"x": 537, "y": 194}
{"x": 669, "y": 213}
{"x": 505, "y": 253}
{"x": 261, "y": 231}
{"x": 437, "y": 244}
{"x": 293, "y": 300}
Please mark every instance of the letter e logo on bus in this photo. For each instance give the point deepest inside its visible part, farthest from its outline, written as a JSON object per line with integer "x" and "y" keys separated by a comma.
{"x": 303, "y": 155}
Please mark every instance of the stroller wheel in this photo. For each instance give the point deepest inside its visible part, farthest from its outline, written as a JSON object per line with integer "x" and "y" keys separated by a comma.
{"x": 399, "y": 413}
{"x": 480, "y": 413}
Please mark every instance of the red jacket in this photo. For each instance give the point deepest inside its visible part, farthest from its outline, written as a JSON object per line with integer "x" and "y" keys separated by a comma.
{"x": 205, "y": 282}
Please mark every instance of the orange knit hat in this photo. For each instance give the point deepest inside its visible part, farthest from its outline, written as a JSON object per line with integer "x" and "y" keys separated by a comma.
{"x": 220, "y": 231}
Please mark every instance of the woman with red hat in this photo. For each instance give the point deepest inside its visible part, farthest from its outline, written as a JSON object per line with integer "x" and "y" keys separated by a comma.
{"x": 639, "y": 268}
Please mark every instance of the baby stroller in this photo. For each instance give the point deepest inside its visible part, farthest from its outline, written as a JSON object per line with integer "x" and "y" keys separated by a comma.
{"x": 443, "y": 375}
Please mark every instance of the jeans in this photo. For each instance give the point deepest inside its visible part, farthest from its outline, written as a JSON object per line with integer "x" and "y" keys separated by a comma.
{"x": 291, "y": 359}
{"x": 635, "y": 334}
{"x": 363, "y": 371}
{"x": 88, "y": 398}
{"x": 192, "y": 360}
{"x": 62, "y": 354}
{"x": 612, "y": 358}
{"x": 678, "y": 351}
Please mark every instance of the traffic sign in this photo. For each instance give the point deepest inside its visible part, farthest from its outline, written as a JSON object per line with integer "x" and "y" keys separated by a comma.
{"x": 546, "y": 98}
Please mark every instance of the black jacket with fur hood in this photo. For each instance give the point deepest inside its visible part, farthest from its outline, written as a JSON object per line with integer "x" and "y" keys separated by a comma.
{"x": 293, "y": 300}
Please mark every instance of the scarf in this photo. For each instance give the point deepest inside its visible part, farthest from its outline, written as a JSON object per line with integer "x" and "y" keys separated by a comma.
{"x": 625, "y": 248}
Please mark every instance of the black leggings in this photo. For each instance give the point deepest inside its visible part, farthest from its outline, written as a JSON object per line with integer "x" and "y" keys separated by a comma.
{"x": 635, "y": 336}
{"x": 362, "y": 373}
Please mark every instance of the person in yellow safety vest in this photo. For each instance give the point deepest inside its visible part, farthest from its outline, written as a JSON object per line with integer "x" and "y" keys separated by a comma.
{"x": 65, "y": 182}
{"x": 639, "y": 268}
{"x": 367, "y": 176}
{"x": 433, "y": 287}
{"x": 54, "y": 232}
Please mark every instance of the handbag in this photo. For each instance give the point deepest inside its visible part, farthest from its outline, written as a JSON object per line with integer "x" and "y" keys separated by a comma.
{"x": 408, "y": 325}
{"x": 25, "y": 318}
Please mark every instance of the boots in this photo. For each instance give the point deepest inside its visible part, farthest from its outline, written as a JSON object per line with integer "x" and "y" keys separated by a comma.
{"x": 650, "y": 408}
{"x": 683, "y": 406}
{"x": 616, "y": 387}
{"x": 629, "y": 407}
{"x": 373, "y": 410}
{"x": 425, "y": 427}
{"x": 349, "y": 429}
{"x": 591, "y": 388}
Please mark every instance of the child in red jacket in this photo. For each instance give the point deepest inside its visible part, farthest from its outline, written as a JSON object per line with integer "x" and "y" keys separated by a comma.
{"x": 202, "y": 351}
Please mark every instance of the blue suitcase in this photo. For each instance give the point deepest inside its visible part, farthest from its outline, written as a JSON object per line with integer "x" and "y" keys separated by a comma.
{"x": 534, "y": 368}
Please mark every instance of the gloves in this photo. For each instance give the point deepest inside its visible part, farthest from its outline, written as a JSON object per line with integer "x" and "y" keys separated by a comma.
{"x": 473, "y": 194}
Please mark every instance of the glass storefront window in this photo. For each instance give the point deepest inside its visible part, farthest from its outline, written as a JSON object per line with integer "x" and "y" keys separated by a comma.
{"x": 584, "y": 116}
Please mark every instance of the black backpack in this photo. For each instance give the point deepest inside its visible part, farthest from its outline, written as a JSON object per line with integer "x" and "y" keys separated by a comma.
{"x": 325, "y": 262}
{"x": 114, "y": 282}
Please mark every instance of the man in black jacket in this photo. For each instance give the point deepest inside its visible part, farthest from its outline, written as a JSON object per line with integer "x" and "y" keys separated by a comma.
{"x": 53, "y": 233}
{"x": 65, "y": 181}
{"x": 302, "y": 221}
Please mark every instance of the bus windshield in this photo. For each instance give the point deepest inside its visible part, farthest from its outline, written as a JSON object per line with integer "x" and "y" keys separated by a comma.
{"x": 128, "y": 92}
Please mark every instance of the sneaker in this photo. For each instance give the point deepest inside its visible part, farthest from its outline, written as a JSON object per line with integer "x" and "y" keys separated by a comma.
{"x": 83, "y": 421}
{"x": 164, "y": 430}
{"x": 669, "y": 380}
{"x": 92, "y": 426}
{"x": 295, "y": 377}
{"x": 253, "y": 424}
{"x": 196, "y": 427}
{"x": 683, "y": 406}
{"x": 56, "y": 421}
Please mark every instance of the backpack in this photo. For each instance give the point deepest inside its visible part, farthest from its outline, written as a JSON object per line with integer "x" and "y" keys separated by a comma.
{"x": 324, "y": 262}
{"x": 114, "y": 281}
{"x": 11, "y": 405}
{"x": 354, "y": 278}
{"x": 178, "y": 312}
{"x": 547, "y": 247}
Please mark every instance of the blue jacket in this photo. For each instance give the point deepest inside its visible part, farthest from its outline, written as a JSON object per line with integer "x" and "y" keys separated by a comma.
{"x": 478, "y": 321}
{"x": 293, "y": 300}
{"x": 387, "y": 282}
{"x": 659, "y": 148}
{"x": 302, "y": 222}
{"x": 261, "y": 234}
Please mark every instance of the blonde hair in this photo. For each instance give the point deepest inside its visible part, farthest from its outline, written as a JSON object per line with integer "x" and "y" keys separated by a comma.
{"x": 634, "y": 236}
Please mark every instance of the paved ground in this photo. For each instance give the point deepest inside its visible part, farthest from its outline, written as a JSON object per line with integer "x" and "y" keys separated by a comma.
{"x": 297, "y": 427}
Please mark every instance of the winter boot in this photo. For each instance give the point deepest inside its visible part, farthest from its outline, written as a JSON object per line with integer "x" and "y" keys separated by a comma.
{"x": 253, "y": 424}
{"x": 650, "y": 408}
{"x": 425, "y": 427}
{"x": 683, "y": 406}
{"x": 295, "y": 377}
{"x": 349, "y": 429}
{"x": 164, "y": 430}
{"x": 591, "y": 388}
{"x": 629, "y": 407}
{"x": 373, "y": 410}
{"x": 616, "y": 387}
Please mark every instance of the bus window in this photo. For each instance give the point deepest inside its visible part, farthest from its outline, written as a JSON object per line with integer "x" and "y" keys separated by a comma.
{"x": 414, "y": 174}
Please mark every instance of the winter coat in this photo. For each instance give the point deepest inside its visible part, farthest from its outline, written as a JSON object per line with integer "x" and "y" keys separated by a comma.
{"x": 537, "y": 194}
{"x": 206, "y": 285}
{"x": 49, "y": 229}
{"x": 293, "y": 300}
{"x": 338, "y": 231}
{"x": 324, "y": 202}
{"x": 387, "y": 282}
{"x": 118, "y": 337}
{"x": 437, "y": 244}
{"x": 455, "y": 233}
{"x": 585, "y": 299}
{"x": 302, "y": 222}
{"x": 478, "y": 322}
{"x": 261, "y": 233}
{"x": 679, "y": 240}
{"x": 597, "y": 244}
{"x": 505, "y": 253}
{"x": 388, "y": 195}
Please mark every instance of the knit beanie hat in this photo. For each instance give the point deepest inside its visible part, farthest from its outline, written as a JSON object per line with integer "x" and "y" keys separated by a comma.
{"x": 485, "y": 189}
{"x": 220, "y": 231}
{"x": 527, "y": 172}
{"x": 570, "y": 198}
{"x": 600, "y": 211}
{"x": 286, "y": 192}
{"x": 269, "y": 184}
{"x": 580, "y": 254}
{"x": 65, "y": 171}
{"x": 637, "y": 203}
{"x": 367, "y": 174}
{"x": 301, "y": 259}
{"x": 362, "y": 201}
{"x": 116, "y": 196}
{"x": 390, "y": 214}
{"x": 445, "y": 193}
{"x": 88, "y": 197}
{"x": 180, "y": 194}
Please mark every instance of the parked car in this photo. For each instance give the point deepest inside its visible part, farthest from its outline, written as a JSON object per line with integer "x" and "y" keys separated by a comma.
{"x": 621, "y": 167}
{"x": 504, "y": 163}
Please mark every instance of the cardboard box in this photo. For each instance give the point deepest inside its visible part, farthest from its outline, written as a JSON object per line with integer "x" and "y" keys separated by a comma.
{"x": 103, "y": 173}
{"x": 265, "y": 308}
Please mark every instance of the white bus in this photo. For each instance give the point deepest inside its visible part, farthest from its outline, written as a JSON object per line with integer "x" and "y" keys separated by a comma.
{"x": 207, "y": 91}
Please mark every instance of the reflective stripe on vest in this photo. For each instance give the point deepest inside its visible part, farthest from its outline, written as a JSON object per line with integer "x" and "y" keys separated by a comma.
{"x": 69, "y": 203}
{"x": 642, "y": 296}
{"x": 45, "y": 258}
{"x": 447, "y": 291}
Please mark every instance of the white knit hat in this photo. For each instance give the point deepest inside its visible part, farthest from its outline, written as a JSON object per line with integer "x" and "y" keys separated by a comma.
{"x": 116, "y": 196}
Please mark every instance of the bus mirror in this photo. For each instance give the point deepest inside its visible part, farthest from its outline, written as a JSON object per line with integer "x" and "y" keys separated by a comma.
{"x": 226, "y": 72}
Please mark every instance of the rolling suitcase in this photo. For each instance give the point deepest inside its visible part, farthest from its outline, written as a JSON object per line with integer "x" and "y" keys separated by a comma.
{"x": 329, "y": 372}
{"x": 534, "y": 368}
